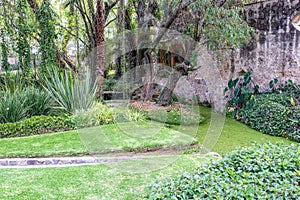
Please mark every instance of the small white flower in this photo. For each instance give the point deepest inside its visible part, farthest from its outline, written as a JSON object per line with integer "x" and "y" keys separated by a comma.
{"x": 7, "y": 108}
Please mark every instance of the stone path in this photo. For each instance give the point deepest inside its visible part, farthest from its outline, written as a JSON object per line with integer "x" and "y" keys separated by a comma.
{"x": 64, "y": 161}
{"x": 75, "y": 161}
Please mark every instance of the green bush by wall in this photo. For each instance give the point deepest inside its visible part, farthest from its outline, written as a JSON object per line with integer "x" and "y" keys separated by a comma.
{"x": 273, "y": 114}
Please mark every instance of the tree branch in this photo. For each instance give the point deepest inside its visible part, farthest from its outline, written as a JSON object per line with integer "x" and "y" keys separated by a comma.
{"x": 108, "y": 8}
{"x": 66, "y": 29}
{"x": 114, "y": 19}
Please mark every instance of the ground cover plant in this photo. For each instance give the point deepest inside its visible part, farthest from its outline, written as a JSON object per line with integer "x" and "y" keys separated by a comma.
{"x": 276, "y": 113}
{"x": 265, "y": 171}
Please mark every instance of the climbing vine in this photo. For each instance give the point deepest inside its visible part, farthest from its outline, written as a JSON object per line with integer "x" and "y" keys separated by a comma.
{"x": 23, "y": 45}
{"x": 48, "y": 36}
{"x": 4, "y": 51}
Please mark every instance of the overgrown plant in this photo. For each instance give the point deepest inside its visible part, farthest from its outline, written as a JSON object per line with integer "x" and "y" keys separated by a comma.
{"x": 239, "y": 92}
{"x": 23, "y": 43}
{"x": 4, "y": 51}
{"x": 69, "y": 90}
{"x": 47, "y": 17}
{"x": 276, "y": 113}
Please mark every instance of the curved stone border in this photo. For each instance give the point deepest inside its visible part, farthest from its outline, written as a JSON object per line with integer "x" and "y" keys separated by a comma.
{"x": 76, "y": 161}
{"x": 62, "y": 161}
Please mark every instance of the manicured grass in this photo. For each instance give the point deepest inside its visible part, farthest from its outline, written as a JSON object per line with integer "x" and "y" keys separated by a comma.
{"x": 91, "y": 182}
{"x": 113, "y": 181}
{"x": 234, "y": 133}
{"x": 94, "y": 140}
{"x": 134, "y": 135}
{"x": 66, "y": 143}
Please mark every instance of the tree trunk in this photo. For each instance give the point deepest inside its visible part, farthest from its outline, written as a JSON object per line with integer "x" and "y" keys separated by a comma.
{"x": 165, "y": 97}
{"x": 149, "y": 85}
{"x": 100, "y": 47}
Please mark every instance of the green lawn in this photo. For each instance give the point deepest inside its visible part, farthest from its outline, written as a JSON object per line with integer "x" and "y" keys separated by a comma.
{"x": 130, "y": 136}
{"x": 234, "y": 133}
{"x": 91, "y": 182}
{"x": 115, "y": 180}
{"x": 95, "y": 140}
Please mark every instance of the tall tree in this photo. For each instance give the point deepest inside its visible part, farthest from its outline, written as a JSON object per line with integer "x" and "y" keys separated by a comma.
{"x": 99, "y": 43}
{"x": 94, "y": 15}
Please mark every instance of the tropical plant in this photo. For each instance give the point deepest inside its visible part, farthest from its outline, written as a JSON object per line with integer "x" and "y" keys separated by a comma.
{"x": 239, "y": 92}
{"x": 69, "y": 90}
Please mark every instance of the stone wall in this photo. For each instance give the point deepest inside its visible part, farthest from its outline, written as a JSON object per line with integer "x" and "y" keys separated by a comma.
{"x": 275, "y": 52}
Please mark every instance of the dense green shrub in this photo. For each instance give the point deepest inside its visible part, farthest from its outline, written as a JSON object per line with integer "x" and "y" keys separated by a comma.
{"x": 266, "y": 116}
{"x": 12, "y": 107}
{"x": 275, "y": 113}
{"x": 293, "y": 126}
{"x": 265, "y": 171}
{"x": 109, "y": 84}
{"x": 25, "y": 103}
{"x": 102, "y": 114}
{"x": 35, "y": 125}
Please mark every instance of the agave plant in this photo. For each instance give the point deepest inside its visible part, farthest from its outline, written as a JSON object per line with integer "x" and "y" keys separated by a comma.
{"x": 69, "y": 90}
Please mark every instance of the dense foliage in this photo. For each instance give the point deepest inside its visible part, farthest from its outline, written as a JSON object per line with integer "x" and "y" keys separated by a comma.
{"x": 22, "y": 104}
{"x": 35, "y": 125}
{"x": 101, "y": 114}
{"x": 265, "y": 171}
{"x": 276, "y": 113}
{"x": 70, "y": 91}
{"x": 239, "y": 92}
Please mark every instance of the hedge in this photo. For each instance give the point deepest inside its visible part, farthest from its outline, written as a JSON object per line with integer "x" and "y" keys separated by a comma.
{"x": 276, "y": 113}
{"x": 268, "y": 171}
{"x": 35, "y": 126}
{"x": 272, "y": 118}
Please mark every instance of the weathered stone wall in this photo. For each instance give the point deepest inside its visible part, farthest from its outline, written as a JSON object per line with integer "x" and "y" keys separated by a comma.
{"x": 275, "y": 52}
